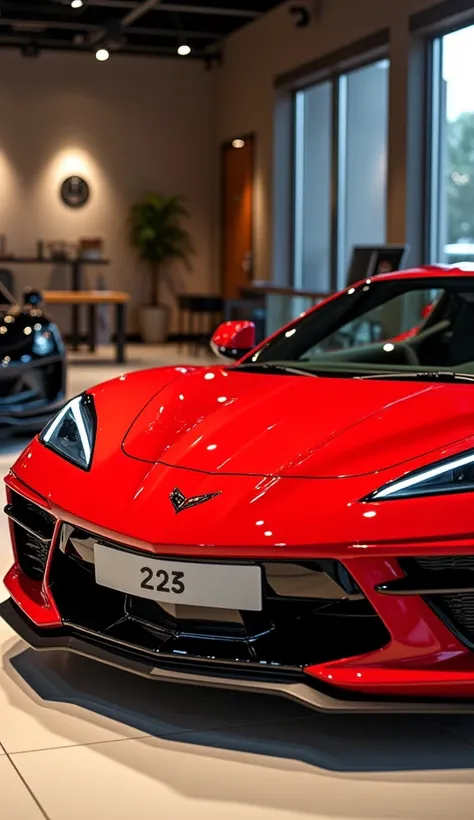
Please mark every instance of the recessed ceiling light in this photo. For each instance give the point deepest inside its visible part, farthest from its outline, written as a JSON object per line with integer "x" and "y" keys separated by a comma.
{"x": 238, "y": 143}
{"x": 184, "y": 50}
{"x": 102, "y": 54}
{"x": 77, "y": 4}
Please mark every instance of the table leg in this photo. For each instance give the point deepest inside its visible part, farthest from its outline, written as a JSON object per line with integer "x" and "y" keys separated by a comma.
{"x": 75, "y": 314}
{"x": 201, "y": 318}
{"x": 180, "y": 328}
{"x": 76, "y": 283}
{"x": 120, "y": 332}
{"x": 92, "y": 328}
{"x": 75, "y": 327}
{"x": 192, "y": 331}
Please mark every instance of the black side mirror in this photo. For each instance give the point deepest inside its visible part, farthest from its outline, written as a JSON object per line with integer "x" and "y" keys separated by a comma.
{"x": 32, "y": 297}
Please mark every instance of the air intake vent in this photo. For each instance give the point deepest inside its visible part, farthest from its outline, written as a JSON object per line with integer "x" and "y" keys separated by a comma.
{"x": 459, "y": 610}
{"x": 444, "y": 563}
{"x": 33, "y": 530}
{"x": 455, "y": 608}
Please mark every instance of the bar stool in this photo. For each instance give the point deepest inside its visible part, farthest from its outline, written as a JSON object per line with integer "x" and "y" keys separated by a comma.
{"x": 198, "y": 316}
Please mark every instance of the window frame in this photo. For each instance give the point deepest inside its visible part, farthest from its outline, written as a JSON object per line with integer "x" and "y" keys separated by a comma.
{"x": 336, "y": 75}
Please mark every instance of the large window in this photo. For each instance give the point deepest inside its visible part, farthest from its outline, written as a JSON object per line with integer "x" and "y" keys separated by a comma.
{"x": 451, "y": 232}
{"x": 312, "y": 238}
{"x": 340, "y": 186}
{"x": 363, "y": 139}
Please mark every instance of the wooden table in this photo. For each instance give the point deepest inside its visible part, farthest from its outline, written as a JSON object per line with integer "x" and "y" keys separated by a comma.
{"x": 92, "y": 298}
{"x": 76, "y": 265}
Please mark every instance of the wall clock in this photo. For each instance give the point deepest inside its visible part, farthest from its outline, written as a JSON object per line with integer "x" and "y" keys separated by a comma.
{"x": 75, "y": 192}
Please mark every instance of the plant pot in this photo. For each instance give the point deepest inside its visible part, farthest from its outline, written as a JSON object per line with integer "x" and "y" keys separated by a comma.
{"x": 154, "y": 323}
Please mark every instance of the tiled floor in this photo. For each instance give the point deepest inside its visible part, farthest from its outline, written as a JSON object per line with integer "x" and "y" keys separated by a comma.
{"x": 79, "y": 740}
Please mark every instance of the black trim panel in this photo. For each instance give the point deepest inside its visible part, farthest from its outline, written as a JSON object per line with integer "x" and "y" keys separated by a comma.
{"x": 448, "y": 583}
{"x": 305, "y": 693}
{"x": 9, "y": 511}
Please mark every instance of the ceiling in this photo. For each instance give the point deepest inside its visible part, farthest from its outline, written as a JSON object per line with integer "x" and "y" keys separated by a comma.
{"x": 129, "y": 26}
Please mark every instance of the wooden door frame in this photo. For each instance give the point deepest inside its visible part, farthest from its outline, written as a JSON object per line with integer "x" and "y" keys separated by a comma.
{"x": 224, "y": 146}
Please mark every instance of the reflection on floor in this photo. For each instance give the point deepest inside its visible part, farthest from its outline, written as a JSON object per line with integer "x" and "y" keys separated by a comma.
{"x": 78, "y": 739}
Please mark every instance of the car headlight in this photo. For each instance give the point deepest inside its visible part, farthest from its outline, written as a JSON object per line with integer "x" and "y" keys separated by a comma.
{"x": 71, "y": 433}
{"x": 451, "y": 475}
{"x": 43, "y": 342}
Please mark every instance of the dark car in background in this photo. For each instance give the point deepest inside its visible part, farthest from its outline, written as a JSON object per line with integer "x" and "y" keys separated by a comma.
{"x": 32, "y": 364}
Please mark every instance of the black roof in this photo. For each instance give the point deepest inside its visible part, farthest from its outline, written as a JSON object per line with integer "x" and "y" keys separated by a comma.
{"x": 130, "y": 26}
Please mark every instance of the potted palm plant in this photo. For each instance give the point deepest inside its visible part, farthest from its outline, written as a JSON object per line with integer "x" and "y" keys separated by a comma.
{"x": 156, "y": 231}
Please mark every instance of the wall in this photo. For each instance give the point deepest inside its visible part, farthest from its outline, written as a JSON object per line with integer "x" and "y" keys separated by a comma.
{"x": 128, "y": 126}
{"x": 245, "y": 99}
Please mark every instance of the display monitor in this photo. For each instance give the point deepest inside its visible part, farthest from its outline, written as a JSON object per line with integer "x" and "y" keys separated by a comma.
{"x": 372, "y": 260}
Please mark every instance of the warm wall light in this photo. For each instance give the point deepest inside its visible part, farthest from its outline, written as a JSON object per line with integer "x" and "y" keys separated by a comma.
{"x": 238, "y": 143}
{"x": 77, "y": 4}
{"x": 102, "y": 54}
{"x": 184, "y": 50}
{"x": 71, "y": 161}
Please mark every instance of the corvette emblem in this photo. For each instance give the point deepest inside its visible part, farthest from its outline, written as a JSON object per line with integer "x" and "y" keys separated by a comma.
{"x": 180, "y": 502}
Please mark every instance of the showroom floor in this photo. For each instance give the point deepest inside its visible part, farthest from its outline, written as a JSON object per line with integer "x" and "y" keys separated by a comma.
{"x": 79, "y": 740}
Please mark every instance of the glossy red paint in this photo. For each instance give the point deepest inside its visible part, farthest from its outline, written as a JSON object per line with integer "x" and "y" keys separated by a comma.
{"x": 234, "y": 335}
{"x": 291, "y": 459}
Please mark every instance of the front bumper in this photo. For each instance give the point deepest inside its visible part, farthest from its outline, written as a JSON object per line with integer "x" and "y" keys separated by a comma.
{"x": 305, "y": 693}
{"x": 361, "y": 648}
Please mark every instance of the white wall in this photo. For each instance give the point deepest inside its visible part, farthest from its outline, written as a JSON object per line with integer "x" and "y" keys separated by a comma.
{"x": 128, "y": 126}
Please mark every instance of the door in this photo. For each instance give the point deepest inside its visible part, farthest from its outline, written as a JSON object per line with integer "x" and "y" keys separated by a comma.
{"x": 237, "y": 207}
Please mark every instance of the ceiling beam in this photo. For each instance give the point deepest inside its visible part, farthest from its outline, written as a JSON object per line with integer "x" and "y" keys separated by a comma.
{"x": 42, "y": 25}
{"x": 249, "y": 14}
{"x": 138, "y": 11}
{"x": 129, "y": 18}
{"x": 45, "y": 44}
{"x": 173, "y": 32}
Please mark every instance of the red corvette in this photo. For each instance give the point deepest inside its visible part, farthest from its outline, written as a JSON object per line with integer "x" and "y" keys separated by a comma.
{"x": 299, "y": 521}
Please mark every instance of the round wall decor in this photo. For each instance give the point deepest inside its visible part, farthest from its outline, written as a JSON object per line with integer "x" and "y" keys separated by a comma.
{"x": 75, "y": 192}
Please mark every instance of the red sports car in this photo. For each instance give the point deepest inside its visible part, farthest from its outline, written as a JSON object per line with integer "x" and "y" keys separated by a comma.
{"x": 299, "y": 521}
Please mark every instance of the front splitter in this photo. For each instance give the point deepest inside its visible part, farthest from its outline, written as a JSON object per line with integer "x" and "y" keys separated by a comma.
{"x": 58, "y": 640}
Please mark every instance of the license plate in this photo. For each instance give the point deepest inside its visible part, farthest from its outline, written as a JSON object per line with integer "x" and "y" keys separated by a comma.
{"x": 224, "y": 586}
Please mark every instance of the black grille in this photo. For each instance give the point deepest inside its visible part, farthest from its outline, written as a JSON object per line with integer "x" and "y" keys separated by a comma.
{"x": 455, "y": 608}
{"x": 33, "y": 530}
{"x": 440, "y": 563}
{"x": 289, "y": 633}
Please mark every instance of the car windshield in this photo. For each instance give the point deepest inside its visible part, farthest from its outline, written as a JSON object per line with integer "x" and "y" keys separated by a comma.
{"x": 408, "y": 328}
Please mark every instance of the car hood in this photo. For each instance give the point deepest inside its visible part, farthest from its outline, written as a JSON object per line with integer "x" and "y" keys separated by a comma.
{"x": 233, "y": 422}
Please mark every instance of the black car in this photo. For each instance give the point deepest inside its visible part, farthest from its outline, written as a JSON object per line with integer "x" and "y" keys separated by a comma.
{"x": 32, "y": 364}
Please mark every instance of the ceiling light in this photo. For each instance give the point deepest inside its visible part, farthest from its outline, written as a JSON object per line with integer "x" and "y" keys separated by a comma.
{"x": 238, "y": 143}
{"x": 102, "y": 54}
{"x": 77, "y": 4}
{"x": 184, "y": 50}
